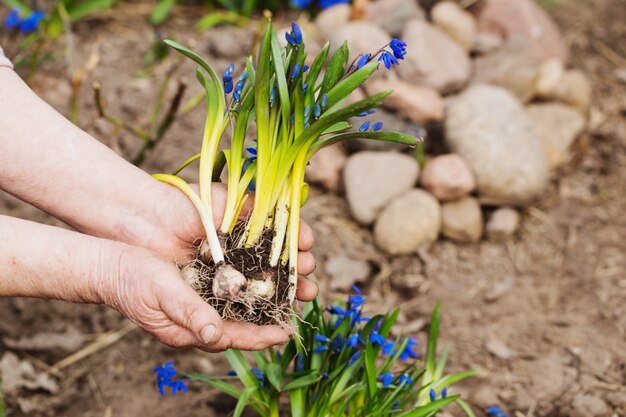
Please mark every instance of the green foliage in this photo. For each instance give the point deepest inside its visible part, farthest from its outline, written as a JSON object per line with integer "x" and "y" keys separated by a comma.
{"x": 343, "y": 364}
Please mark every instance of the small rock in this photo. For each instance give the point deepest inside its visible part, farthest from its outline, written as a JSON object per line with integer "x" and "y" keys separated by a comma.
{"x": 502, "y": 224}
{"x": 418, "y": 104}
{"x": 326, "y": 166}
{"x": 18, "y": 374}
{"x": 393, "y": 15}
{"x": 617, "y": 399}
{"x": 372, "y": 179}
{"x": 557, "y": 127}
{"x": 550, "y": 75}
{"x": 523, "y": 18}
{"x": 515, "y": 67}
{"x": 586, "y": 405}
{"x": 229, "y": 42}
{"x": 362, "y": 38}
{"x": 448, "y": 177}
{"x": 60, "y": 342}
{"x": 486, "y": 42}
{"x": 499, "y": 349}
{"x": 462, "y": 220}
{"x": 490, "y": 129}
{"x": 332, "y": 18}
{"x": 456, "y": 22}
{"x": 345, "y": 271}
{"x": 411, "y": 220}
{"x": 433, "y": 58}
{"x": 499, "y": 289}
{"x": 575, "y": 90}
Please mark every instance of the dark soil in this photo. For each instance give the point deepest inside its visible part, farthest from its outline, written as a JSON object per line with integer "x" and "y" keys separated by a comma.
{"x": 543, "y": 317}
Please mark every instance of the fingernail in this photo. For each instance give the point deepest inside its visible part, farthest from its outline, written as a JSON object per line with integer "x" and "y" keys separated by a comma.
{"x": 208, "y": 333}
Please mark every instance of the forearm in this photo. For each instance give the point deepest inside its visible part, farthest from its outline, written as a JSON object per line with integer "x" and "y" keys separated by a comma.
{"x": 50, "y": 163}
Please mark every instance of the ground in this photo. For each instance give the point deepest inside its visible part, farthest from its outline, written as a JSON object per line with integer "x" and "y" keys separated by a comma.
{"x": 543, "y": 317}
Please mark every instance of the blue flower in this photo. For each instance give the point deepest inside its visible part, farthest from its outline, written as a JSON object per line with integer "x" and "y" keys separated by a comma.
{"x": 409, "y": 350}
{"x": 398, "y": 47}
{"x": 495, "y": 411}
{"x": 239, "y": 86}
{"x": 405, "y": 379}
{"x": 299, "y": 362}
{"x": 297, "y": 33}
{"x": 356, "y": 301}
{"x": 317, "y": 111}
{"x": 364, "y": 127}
{"x": 273, "y": 96}
{"x": 336, "y": 310}
{"x": 324, "y": 4}
{"x": 26, "y": 25}
{"x": 231, "y": 373}
{"x": 363, "y": 60}
{"x": 321, "y": 338}
{"x": 354, "y": 340}
{"x": 227, "y": 78}
{"x": 388, "y": 348}
{"x": 164, "y": 379}
{"x": 388, "y": 59}
{"x": 365, "y": 113}
{"x": 432, "y": 394}
{"x": 295, "y": 71}
{"x": 337, "y": 342}
{"x": 300, "y": 4}
{"x": 325, "y": 376}
{"x": 260, "y": 376}
{"x": 253, "y": 154}
{"x": 377, "y": 126}
{"x": 354, "y": 357}
{"x": 304, "y": 87}
{"x": 444, "y": 392}
{"x": 324, "y": 101}
{"x": 320, "y": 349}
{"x": 376, "y": 339}
{"x": 386, "y": 379}
{"x": 13, "y": 19}
{"x": 396, "y": 405}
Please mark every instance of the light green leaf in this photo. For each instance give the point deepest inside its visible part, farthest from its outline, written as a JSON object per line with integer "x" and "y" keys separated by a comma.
{"x": 301, "y": 382}
{"x": 430, "y": 408}
{"x": 244, "y": 400}
{"x": 335, "y": 69}
{"x": 465, "y": 407}
{"x": 161, "y": 11}
{"x": 274, "y": 375}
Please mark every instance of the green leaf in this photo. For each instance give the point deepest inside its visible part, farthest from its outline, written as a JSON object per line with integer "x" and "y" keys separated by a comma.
{"x": 21, "y": 6}
{"x": 244, "y": 400}
{"x": 441, "y": 363}
{"x": 297, "y": 403}
{"x": 346, "y": 86}
{"x": 301, "y": 382}
{"x": 465, "y": 408}
{"x": 317, "y": 65}
{"x": 433, "y": 335}
{"x": 429, "y": 408}
{"x": 283, "y": 90}
{"x": 216, "y": 383}
{"x": 161, "y": 11}
{"x": 449, "y": 380}
{"x": 335, "y": 69}
{"x": 370, "y": 369}
{"x": 241, "y": 367}
{"x": 396, "y": 137}
{"x": 274, "y": 375}
{"x": 385, "y": 328}
{"x": 219, "y": 17}
{"x": 337, "y": 127}
{"x": 88, "y": 7}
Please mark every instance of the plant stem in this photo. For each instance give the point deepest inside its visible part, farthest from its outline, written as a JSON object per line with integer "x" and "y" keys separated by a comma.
{"x": 297, "y": 178}
{"x": 280, "y": 226}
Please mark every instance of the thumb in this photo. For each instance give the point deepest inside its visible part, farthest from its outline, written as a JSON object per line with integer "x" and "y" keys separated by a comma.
{"x": 187, "y": 309}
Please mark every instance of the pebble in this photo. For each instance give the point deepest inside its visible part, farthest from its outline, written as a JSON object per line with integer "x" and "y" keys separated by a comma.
{"x": 229, "y": 42}
{"x": 456, "y": 22}
{"x": 362, "y": 37}
{"x": 416, "y": 103}
{"x": 587, "y": 405}
{"x": 331, "y": 18}
{"x": 549, "y": 77}
{"x": 499, "y": 349}
{"x": 574, "y": 89}
{"x": 490, "y": 129}
{"x": 524, "y": 18}
{"x": 411, "y": 220}
{"x": 326, "y": 166}
{"x": 373, "y": 179}
{"x": 515, "y": 67}
{"x": 393, "y": 15}
{"x": 345, "y": 271}
{"x": 486, "y": 42}
{"x": 448, "y": 177}
{"x": 433, "y": 59}
{"x": 462, "y": 220}
{"x": 502, "y": 224}
{"x": 557, "y": 126}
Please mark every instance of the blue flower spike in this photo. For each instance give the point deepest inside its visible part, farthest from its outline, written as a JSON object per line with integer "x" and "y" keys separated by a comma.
{"x": 26, "y": 25}
{"x": 164, "y": 379}
{"x": 388, "y": 59}
{"x": 295, "y": 72}
{"x": 363, "y": 60}
{"x": 386, "y": 379}
{"x": 227, "y": 78}
{"x": 354, "y": 358}
{"x": 432, "y": 394}
{"x": 13, "y": 19}
{"x": 377, "y": 339}
{"x": 297, "y": 33}
{"x": 495, "y": 411}
{"x": 444, "y": 392}
{"x": 321, "y": 338}
{"x": 398, "y": 47}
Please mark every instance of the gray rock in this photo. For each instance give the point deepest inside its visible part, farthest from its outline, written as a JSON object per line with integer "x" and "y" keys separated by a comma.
{"x": 462, "y": 220}
{"x": 230, "y": 42}
{"x": 502, "y": 224}
{"x": 345, "y": 271}
{"x": 515, "y": 67}
{"x": 486, "y": 42}
{"x": 557, "y": 127}
{"x": 410, "y": 221}
{"x": 433, "y": 58}
{"x": 362, "y": 37}
{"x": 332, "y": 18}
{"x": 326, "y": 166}
{"x": 586, "y": 405}
{"x": 448, "y": 177}
{"x": 456, "y": 22}
{"x": 393, "y": 15}
{"x": 490, "y": 129}
{"x": 372, "y": 179}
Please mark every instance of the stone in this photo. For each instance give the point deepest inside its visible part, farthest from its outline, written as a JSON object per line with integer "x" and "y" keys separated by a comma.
{"x": 575, "y": 90}
{"x": 229, "y": 41}
{"x": 462, "y": 220}
{"x": 617, "y": 399}
{"x": 587, "y": 405}
{"x": 502, "y": 224}
{"x": 331, "y": 18}
{"x": 486, "y": 42}
{"x": 393, "y": 15}
{"x": 514, "y": 66}
{"x": 549, "y": 77}
{"x": 448, "y": 177}
{"x": 373, "y": 179}
{"x": 362, "y": 37}
{"x": 433, "y": 58}
{"x": 557, "y": 127}
{"x": 490, "y": 129}
{"x": 524, "y": 18}
{"x": 411, "y": 220}
{"x": 416, "y": 103}
{"x": 456, "y": 22}
{"x": 345, "y": 271}
{"x": 326, "y": 166}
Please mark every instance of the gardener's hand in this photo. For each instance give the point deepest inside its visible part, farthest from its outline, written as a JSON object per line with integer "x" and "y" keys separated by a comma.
{"x": 50, "y": 262}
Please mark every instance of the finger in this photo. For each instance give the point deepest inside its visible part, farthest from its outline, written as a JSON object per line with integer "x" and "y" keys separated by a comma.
{"x": 187, "y": 309}
{"x": 306, "y": 240}
{"x": 306, "y": 263}
{"x": 247, "y": 336}
{"x": 306, "y": 290}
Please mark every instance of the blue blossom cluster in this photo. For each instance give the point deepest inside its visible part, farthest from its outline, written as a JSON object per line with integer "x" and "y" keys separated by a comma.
{"x": 389, "y": 59}
{"x": 323, "y": 4}
{"x": 495, "y": 411}
{"x": 165, "y": 378}
{"x": 25, "y": 24}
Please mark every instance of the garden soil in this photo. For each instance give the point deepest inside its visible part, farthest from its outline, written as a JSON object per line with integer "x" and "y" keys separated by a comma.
{"x": 543, "y": 317}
